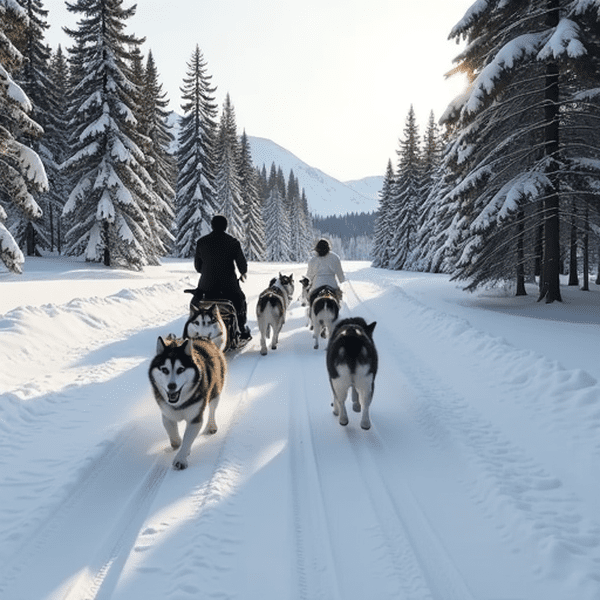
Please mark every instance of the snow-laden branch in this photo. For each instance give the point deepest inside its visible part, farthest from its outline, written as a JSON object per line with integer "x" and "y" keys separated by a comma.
{"x": 509, "y": 55}
{"x": 563, "y": 41}
{"x": 507, "y": 200}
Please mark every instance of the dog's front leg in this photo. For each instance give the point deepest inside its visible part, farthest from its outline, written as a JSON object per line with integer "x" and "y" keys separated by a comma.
{"x": 172, "y": 432}
{"x": 211, "y": 425}
{"x": 191, "y": 433}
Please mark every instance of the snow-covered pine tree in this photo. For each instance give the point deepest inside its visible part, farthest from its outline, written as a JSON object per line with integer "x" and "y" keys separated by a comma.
{"x": 196, "y": 201}
{"x": 309, "y": 234}
{"x": 277, "y": 225}
{"x": 254, "y": 248}
{"x": 383, "y": 228}
{"x": 515, "y": 145}
{"x": 228, "y": 186}
{"x": 107, "y": 207}
{"x": 297, "y": 221}
{"x": 406, "y": 195}
{"x": 20, "y": 167}
{"x": 161, "y": 164}
{"x": 55, "y": 148}
{"x": 432, "y": 175}
{"x": 33, "y": 236}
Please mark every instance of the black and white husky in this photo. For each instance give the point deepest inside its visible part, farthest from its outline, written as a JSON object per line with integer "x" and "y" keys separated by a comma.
{"x": 352, "y": 364}
{"x": 206, "y": 322}
{"x": 323, "y": 312}
{"x": 187, "y": 375}
{"x": 271, "y": 309}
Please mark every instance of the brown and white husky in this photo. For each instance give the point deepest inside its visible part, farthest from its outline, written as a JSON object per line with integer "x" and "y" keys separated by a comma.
{"x": 206, "y": 322}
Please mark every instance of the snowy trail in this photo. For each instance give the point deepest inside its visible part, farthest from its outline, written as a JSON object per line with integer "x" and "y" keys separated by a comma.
{"x": 472, "y": 484}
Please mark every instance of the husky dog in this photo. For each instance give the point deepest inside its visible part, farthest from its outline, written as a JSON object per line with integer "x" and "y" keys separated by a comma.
{"x": 304, "y": 295}
{"x": 271, "y": 308}
{"x": 352, "y": 364}
{"x": 206, "y": 322}
{"x": 324, "y": 311}
{"x": 186, "y": 376}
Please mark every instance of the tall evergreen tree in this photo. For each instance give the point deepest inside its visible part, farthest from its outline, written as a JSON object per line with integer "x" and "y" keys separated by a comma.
{"x": 21, "y": 169}
{"x": 55, "y": 148}
{"x": 514, "y": 146}
{"x": 108, "y": 207}
{"x": 228, "y": 186}
{"x": 196, "y": 201}
{"x": 383, "y": 227}
{"x": 253, "y": 219}
{"x": 407, "y": 193}
{"x": 161, "y": 164}
{"x": 277, "y": 226}
{"x": 33, "y": 235}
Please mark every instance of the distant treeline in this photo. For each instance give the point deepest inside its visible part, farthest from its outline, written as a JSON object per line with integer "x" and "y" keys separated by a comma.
{"x": 347, "y": 226}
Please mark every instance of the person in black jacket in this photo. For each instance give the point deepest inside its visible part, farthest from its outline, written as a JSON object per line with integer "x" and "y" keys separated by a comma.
{"x": 217, "y": 255}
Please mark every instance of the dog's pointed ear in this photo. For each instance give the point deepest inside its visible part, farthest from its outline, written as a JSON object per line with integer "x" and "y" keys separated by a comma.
{"x": 187, "y": 347}
{"x": 292, "y": 277}
{"x": 160, "y": 345}
{"x": 371, "y": 327}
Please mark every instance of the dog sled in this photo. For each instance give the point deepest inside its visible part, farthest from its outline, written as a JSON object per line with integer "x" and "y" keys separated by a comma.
{"x": 235, "y": 341}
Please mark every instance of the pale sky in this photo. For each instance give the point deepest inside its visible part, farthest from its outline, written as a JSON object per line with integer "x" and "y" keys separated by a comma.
{"x": 331, "y": 81}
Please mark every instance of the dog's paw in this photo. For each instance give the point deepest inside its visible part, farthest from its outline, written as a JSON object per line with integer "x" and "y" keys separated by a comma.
{"x": 263, "y": 352}
{"x": 344, "y": 422}
{"x": 356, "y": 407}
{"x": 211, "y": 429}
{"x": 179, "y": 464}
{"x": 175, "y": 444}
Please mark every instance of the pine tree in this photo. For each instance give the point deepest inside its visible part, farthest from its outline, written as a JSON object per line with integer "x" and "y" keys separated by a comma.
{"x": 161, "y": 164}
{"x": 383, "y": 227}
{"x": 55, "y": 148}
{"x": 21, "y": 169}
{"x": 406, "y": 196}
{"x": 515, "y": 144}
{"x": 255, "y": 248}
{"x": 277, "y": 226}
{"x": 196, "y": 201}
{"x": 108, "y": 206}
{"x": 33, "y": 235}
{"x": 228, "y": 186}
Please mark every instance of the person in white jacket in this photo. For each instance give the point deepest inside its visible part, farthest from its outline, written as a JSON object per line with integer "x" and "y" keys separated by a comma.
{"x": 325, "y": 268}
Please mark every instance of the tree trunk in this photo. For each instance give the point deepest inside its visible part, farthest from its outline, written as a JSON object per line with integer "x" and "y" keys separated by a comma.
{"x": 521, "y": 257}
{"x": 106, "y": 257}
{"x": 586, "y": 252}
{"x": 573, "y": 274}
{"x": 550, "y": 289}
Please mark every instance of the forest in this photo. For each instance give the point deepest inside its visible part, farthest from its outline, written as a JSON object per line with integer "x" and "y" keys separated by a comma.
{"x": 503, "y": 188}
{"x": 88, "y": 171}
{"x": 509, "y": 190}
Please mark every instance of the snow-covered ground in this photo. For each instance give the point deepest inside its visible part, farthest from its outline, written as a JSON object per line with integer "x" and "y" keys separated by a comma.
{"x": 479, "y": 480}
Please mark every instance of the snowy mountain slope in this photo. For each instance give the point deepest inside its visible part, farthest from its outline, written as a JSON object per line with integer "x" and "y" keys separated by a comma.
{"x": 326, "y": 195}
{"x": 479, "y": 478}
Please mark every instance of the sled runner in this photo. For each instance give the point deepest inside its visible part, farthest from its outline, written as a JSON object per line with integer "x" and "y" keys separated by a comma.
{"x": 228, "y": 315}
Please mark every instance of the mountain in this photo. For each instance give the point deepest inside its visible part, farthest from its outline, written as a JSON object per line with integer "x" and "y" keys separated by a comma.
{"x": 326, "y": 195}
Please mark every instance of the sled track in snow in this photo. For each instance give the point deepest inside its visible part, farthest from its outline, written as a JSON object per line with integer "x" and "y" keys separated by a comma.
{"x": 315, "y": 569}
{"x": 405, "y": 525}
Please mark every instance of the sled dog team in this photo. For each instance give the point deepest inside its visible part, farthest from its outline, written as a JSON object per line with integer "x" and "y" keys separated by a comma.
{"x": 187, "y": 374}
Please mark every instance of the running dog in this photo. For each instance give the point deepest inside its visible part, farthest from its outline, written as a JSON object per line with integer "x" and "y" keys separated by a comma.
{"x": 304, "y": 295}
{"x": 352, "y": 364}
{"x": 207, "y": 322}
{"x": 271, "y": 309}
{"x": 187, "y": 375}
{"x": 324, "y": 311}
